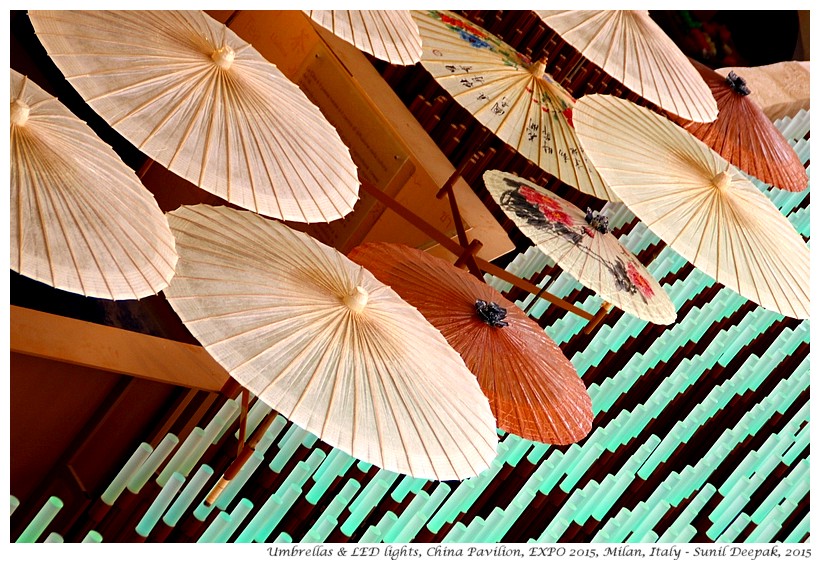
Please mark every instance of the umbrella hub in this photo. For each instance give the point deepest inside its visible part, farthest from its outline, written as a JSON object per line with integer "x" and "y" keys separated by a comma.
{"x": 357, "y": 300}
{"x": 539, "y": 68}
{"x": 19, "y": 112}
{"x": 491, "y": 313}
{"x": 597, "y": 221}
{"x": 737, "y": 84}
{"x": 223, "y": 57}
{"x": 722, "y": 180}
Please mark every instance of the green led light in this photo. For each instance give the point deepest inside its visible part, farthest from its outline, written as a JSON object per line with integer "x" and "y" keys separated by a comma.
{"x": 163, "y": 500}
{"x": 238, "y": 515}
{"x": 186, "y": 497}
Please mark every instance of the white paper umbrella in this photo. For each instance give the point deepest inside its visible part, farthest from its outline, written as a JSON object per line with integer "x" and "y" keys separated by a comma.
{"x": 199, "y": 100}
{"x": 582, "y": 246}
{"x": 390, "y": 35}
{"x": 81, "y": 220}
{"x": 323, "y": 342}
{"x": 508, "y": 94}
{"x": 699, "y": 204}
{"x": 634, "y": 50}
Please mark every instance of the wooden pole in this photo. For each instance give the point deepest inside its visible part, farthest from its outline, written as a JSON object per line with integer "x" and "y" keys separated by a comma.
{"x": 237, "y": 464}
{"x": 457, "y": 250}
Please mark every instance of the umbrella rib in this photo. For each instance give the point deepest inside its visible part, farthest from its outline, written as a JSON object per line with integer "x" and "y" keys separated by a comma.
{"x": 81, "y": 195}
{"x": 36, "y": 193}
{"x": 295, "y": 150}
{"x": 261, "y": 110}
{"x": 758, "y": 251}
{"x": 446, "y": 428}
{"x": 330, "y": 331}
{"x": 376, "y": 353}
{"x": 16, "y": 165}
{"x": 82, "y": 232}
{"x": 242, "y": 233}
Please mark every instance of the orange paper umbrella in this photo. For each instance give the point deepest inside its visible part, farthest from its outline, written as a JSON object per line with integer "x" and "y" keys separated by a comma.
{"x": 581, "y": 244}
{"x": 744, "y": 136}
{"x": 326, "y": 344}
{"x": 390, "y": 35}
{"x": 780, "y": 89}
{"x": 509, "y": 94}
{"x": 534, "y": 390}
{"x": 199, "y": 100}
{"x": 81, "y": 221}
{"x": 634, "y": 50}
{"x": 698, "y": 203}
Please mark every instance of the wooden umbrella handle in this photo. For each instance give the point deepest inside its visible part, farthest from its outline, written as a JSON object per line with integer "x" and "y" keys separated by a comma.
{"x": 599, "y": 316}
{"x": 240, "y": 460}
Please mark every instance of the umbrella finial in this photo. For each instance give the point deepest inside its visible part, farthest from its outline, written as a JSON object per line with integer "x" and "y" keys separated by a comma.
{"x": 224, "y": 56}
{"x": 722, "y": 180}
{"x": 737, "y": 84}
{"x": 19, "y": 112}
{"x": 357, "y": 300}
{"x": 597, "y": 221}
{"x": 491, "y": 313}
{"x": 539, "y": 67}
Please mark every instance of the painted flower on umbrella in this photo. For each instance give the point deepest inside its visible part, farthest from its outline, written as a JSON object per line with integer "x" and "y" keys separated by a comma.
{"x": 474, "y": 41}
{"x": 639, "y": 281}
{"x": 568, "y": 115}
{"x": 551, "y": 209}
{"x": 461, "y": 24}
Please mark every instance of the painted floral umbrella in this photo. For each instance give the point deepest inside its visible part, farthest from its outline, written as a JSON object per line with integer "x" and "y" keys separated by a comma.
{"x": 389, "y": 35}
{"x": 581, "y": 244}
{"x": 630, "y": 47}
{"x": 323, "y": 342}
{"x": 81, "y": 221}
{"x": 533, "y": 389}
{"x": 199, "y": 100}
{"x": 509, "y": 94}
{"x": 698, "y": 203}
{"x": 743, "y": 135}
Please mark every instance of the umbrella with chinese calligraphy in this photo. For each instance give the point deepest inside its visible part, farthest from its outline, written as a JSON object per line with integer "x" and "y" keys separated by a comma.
{"x": 509, "y": 94}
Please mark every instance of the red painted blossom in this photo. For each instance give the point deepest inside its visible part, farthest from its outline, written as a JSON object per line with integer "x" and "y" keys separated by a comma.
{"x": 640, "y": 282}
{"x": 556, "y": 215}
{"x": 568, "y": 114}
{"x": 552, "y": 210}
{"x": 537, "y": 198}
{"x": 463, "y": 25}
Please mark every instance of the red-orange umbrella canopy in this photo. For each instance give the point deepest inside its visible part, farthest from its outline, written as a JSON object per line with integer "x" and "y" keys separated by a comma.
{"x": 743, "y": 135}
{"x": 533, "y": 389}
